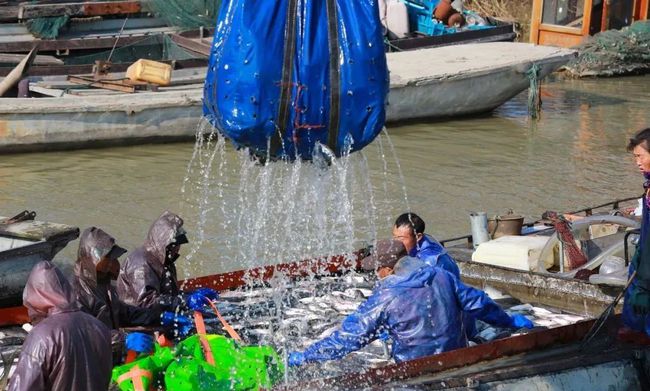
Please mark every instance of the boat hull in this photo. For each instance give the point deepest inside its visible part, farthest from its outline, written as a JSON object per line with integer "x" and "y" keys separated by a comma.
{"x": 429, "y": 83}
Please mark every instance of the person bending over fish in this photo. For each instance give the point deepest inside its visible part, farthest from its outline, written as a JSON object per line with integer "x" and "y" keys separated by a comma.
{"x": 419, "y": 306}
{"x": 148, "y": 276}
{"x": 67, "y": 349}
{"x": 409, "y": 229}
{"x": 97, "y": 264}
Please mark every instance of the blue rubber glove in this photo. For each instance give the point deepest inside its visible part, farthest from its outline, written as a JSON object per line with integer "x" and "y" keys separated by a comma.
{"x": 182, "y": 324}
{"x": 139, "y": 342}
{"x": 520, "y": 321}
{"x": 200, "y": 298}
{"x": 296, "y": 359}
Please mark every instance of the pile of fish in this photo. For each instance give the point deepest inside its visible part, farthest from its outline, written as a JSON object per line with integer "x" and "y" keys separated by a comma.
{"x": 291, "y": 315}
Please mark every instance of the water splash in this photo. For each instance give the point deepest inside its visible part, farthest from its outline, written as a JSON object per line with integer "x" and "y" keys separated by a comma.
{"x": 251, "y": 214}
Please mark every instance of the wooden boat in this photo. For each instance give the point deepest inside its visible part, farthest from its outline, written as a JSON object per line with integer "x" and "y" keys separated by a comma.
{"x": 23, "y": 243}
{"x": 428, "y": 83}
{"x": 549, "y": 288}
{"x": 552, "y": 359}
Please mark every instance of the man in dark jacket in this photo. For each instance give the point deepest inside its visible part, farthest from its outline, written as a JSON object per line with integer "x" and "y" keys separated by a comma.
{"x": 419, "y": 306}
{"x": 148, "y": 276}
{"x": 67, "y": 349}
{"x": 97, "y": 264}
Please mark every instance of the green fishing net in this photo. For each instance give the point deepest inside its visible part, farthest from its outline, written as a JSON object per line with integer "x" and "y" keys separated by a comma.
{"x": 187, "y": 13}
{"x": 156, "y": 47}
{"x": 47, "y": 28}
{"x": 614, "y": 52}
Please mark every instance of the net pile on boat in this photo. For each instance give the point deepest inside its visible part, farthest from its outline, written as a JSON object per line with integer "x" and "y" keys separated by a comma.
{"x": 614, "y": 52}
{"x": 186, "y": 13}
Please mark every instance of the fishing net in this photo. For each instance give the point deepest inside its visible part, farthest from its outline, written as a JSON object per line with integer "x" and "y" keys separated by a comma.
{"x": 47, "y": 28}
{"x": 614, "y": 52}
{"x": 186, "y": 13}
{"x": 156, "y": 47}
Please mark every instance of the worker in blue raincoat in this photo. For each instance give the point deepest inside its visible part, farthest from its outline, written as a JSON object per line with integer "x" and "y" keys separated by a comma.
{"x": 409, "y": 229}
{"x": 637, "y": 297}
{"x": 419, "y": 306}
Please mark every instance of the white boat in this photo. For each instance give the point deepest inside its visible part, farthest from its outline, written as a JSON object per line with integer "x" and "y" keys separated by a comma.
{"x": 428, "y": 83}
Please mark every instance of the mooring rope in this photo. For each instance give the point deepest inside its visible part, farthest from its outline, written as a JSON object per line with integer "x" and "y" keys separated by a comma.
{"x": 534, "y": 95}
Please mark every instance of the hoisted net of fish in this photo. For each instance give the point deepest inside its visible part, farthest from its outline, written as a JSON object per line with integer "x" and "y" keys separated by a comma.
{"x": 287, "y": 76}
{"x": 614, "y": 52}
{"x": 189, "y": 14}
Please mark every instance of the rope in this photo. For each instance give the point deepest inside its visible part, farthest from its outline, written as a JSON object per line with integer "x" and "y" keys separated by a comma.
{"x": 563, "y": 229}
{"x": 135, "y": 374}
{"x": 117, "y": 39}
{"x": 231, "y": 331}
{"x": 534, "y": 95}
{"x": 200, "y": 330}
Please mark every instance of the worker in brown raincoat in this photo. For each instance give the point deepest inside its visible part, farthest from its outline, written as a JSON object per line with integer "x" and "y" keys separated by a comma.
{"x": 148, "y": 276}
{"x": 67, "y": 349}
{"x": 97, "y": 264}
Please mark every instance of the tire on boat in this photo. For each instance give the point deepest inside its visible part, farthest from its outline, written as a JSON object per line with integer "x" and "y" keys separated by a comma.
{"x": 578, "y": 226}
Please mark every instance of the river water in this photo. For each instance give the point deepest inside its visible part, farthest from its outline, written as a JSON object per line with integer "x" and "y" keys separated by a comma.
{"x": 573, "y": 156}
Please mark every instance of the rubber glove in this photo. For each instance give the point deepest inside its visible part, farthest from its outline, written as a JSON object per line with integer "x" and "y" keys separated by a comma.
{"x": 296, "y": 359}
{"x": 200, "y": 298}
{"x": 520, "y": 321}
{"x": 639, "y": 300}
{"x": 182, "y": 324}
{"x": 139, "y": 342}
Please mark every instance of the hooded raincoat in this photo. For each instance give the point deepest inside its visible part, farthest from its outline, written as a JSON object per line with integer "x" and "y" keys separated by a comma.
{"x": 147, "y": 278}
{"x": 434, "y": 254}
{"x": 67, "y": 349}
{"x": 420, "y": 307}
{"x": 98, "y": 297}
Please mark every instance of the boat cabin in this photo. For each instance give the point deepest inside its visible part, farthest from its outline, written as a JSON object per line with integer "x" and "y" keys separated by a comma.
{"x": 567, "y": 23}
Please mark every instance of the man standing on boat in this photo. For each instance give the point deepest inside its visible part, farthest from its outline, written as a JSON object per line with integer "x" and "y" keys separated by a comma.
{"x": 419, "y": 306}
{"x": 97, "y": 265}
{"x": 637, "y": 298}
{"x": 67, "y": 349}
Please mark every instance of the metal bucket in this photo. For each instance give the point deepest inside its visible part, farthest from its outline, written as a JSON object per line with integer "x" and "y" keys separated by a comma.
{"x": 509, "y": 224}
{"x": 480, "y": 233}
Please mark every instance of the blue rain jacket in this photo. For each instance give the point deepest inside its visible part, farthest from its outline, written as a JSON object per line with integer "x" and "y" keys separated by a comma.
{"x": 420, "y": 307}
{"x": 630, "y": 319}
{"x": 434, "y": 254}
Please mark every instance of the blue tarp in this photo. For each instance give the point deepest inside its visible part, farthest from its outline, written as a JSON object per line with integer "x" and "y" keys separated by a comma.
{"x": 287, "y": 74}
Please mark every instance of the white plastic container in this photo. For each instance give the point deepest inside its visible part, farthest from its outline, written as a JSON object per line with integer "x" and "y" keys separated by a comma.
{"x": 515, "y": 252}
{"x": 395, "y": 18}
{"x": 150, "y": 71}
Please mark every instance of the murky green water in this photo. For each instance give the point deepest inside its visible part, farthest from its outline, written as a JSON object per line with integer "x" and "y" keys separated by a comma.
{"x": 574, "y": 156}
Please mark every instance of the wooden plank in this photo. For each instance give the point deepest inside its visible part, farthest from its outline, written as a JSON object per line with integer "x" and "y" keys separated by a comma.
{"x": 55, "y": 93}
{"x": 111, "y": 8}
{"x": 191, "y": 45}
{"x": 31, "y": 11}
{"x": 105, "y": 84}
{"x": 51, "y": 70}
{"x": 586, "y": 17}
{"x": 68, "y": 44}
{"x": 535, "y": 21}
{"x": 39, "y": 60}
{"x": 9, "y": 13}
{"x": 560, "y": 29}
